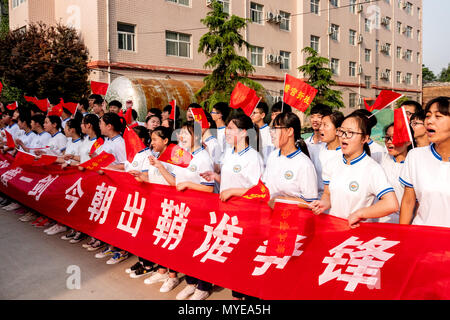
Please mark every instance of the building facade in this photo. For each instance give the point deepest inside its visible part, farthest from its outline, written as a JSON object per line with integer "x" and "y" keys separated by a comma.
{"x": 371, "y": 45}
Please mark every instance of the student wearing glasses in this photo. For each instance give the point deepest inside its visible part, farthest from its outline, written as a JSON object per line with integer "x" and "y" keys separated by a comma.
{"x": 420, "y": 133}
{"x": 426, "y": 171}
{"x": 411, "y": 107}
{"x": 356, "y": 180}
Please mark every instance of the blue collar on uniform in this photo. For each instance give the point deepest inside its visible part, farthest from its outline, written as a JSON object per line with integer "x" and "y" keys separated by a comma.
{"x": 370, "y": 142}
{"x": 30, "y": 132}
{"x": 114, "y": 138}
{"x": 42, "y": 133}
{"x": 144, "y": 150}
{"x": 434, "y": 152}
{"x": 357, "y": 159}
{"x": 243, "y": 151}
{"x": 291, "y": 155}
{"x": 56, "y": 134}
{"x": 74, "y": 141}
{"x": 209, "y": 138}
{"x": 66, "y": 119}
{"x": 265, "y": 125}
{"x": 395, "y": 160}
{"x": 198, "y": 150}
{"x": 12, "y": 125}
{"x": 94, "y": 138}
{"x": 221, "y": 127}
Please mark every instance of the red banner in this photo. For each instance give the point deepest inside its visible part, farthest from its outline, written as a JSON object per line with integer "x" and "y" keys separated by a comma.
{"x": 297, "y": 93}
{"x": 222, "y": 243}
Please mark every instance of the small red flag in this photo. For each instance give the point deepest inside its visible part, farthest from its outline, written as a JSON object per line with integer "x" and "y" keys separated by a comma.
{"x": 71, "y": 106}
{"x": 43, "y": 104}
{"x": 385, "y": 98}
{"x": 173, "y": 103}
{"x": 176, "y": 155}
{"x": 297, "y": 93}
{"x": 200, "y": 116}
{"x": 260, "y": 192}
{"x": 30, "y": 99}
{"x": 1, "y": 87}
{"x": 245, "y": 98}
{"x": 45, "y": 160}
{"x": 104, "y": 159}
{"x": 133, "y": 144}
{"x": 402, "y": 133}
{"x": 96, "y": 145}
{"x": 9, "y": 140}
{"x": 12, "y": 106}
{"x": 99, "y": 87}
{"x": 56, "y": 111}
{"x": 129, "y": 116}
{"x": 23, "y": 158}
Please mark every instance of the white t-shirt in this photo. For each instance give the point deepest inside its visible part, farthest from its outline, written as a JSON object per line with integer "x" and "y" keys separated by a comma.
{"x": 310, "y": 140}
{"x": 213, "y": 148}
{"x": 354, "y": 186}
{"x": 292, "y": 175}
{"x": 14, "y": 130}
{"x": 240, "y": 169}
{"x": 140, "y": 161}
{"x": 425, "y": 171}
{"x": 266, "y": 145}
{"x": 319, "y": 156}
{"x": 377, "y": 152}
{"x": 64, "y": 122}
{"x": 201, "y": 162}
{"x": 115, "y": 146}
{"x": 73, "y": 146}
{"x": 27, "y": 138}
{"x": 57, "y": 144}
{"x": 85, "y": 148}
{"x": 41, "y": 140}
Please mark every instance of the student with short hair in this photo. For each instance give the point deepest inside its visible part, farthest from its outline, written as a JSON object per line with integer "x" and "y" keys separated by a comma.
{"x": 316, "y": 114}
{"x": 58, "y": 141}
{"x": 25, "y": 140}
{"x": 97, "y": 106}
{"x": 151, "y": 122}
{"x": 426, "y": 171}
{"x": 258, "y": 115}
{"x": 220, "y": 113}
{"x": 417, "y": 124}
{"x": 277, "y": 108}
{"x": 115, "y": 106}
{"x": 411, "y": 107}
{"x": 83, "y": 106}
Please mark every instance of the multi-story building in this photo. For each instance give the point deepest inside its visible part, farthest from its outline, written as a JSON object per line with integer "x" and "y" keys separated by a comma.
{"x": 372, "y": 45}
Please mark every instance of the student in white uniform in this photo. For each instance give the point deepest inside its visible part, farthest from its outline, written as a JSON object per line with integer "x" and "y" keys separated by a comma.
{"x": 10, "y": 125}
{"x": 392, "y": 163}
{"x": 265, "y": 140}
{"x": 90, "y": 128}
{"x": 419, "y": 131}
{"x": 142, "y": 156}
{"x": 330, "y": 146}
{"x": 352, "y": 184}
{"x": 27, "y": 137}
{"x": 210, "y": 141}
{"x": 315, "y": 119}
{"x": 289, "y": 172}
{"x": 277, "y": 109}
{"x": 220, "y": 113}
{"x": 426, "y": 171}
{"x": 42, "y": 136}
{"x": 58, "y": 141}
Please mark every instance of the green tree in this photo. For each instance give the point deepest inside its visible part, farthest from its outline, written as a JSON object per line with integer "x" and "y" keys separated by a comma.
{"x": 45, "y": 61}
{"x": 444, "y": 76}
{"x": 319, "y": 75}
{"x": 427, "y": 75}
{"x": 219, "y": 44}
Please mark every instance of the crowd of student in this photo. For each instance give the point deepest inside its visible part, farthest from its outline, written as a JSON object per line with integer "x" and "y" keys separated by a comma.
{"x": 339, "y": 170}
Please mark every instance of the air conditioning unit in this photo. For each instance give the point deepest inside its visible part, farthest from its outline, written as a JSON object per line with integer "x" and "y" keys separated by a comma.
{"x": 270, "y": 16}
{"x": 360, "y": 69}
{"x": 360, "y": 8}
{"x": 278, "y": 18}
{"x": 208, "y": 3}
{"x": 384, "y": 75}
{"x": 404, "y": 30}
{"x": 279, "y": 59}
{"x": 360, "y": 38}
{"x": 404, "y": 4}
{"x": 405, "y": 55}
{"x": 384, "y": 21}
{"x": 270, "y": 58}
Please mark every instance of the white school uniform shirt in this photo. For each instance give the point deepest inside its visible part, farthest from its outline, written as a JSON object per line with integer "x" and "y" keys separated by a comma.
{"x": 14, "y": 130}
{"x": 57, "y": 144}
{"x": 139, "y": 161}
{"x": 85, "y": 148}
{"x": 201, "y": 162}
{"x": 213, "y": 148}
{"x": 41, "y": 140}
{"x": 64, "y": 122}
{"x": 73, "y": 146}
{"x": 221, "y": 138}
{"x": 115, "y": 146}
{"x": 292, "y": 175}
{"x": 241, "y": 169}
{"x": 377, "y": 152}
{"x": 155, "y": 176}
{"x": 425, "y": 171}
{"x": 354, "y": 186}
{"x": 27, "y": 138}
{"x": 310, "y": 141}
{"x": 266, "y": 145}
{"x": 392, "y": 168}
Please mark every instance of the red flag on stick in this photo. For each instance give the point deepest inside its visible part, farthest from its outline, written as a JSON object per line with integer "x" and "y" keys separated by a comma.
{"x": 45, "y": 160}
{"x": 260, "y": 191}
{"x": 297, "y": 93}
{"x": 96, "y": 145}
{"x": 71, "y": 106}
{"x": 30, "y": 99}
{"x": 9, "y": 140}
{"x": 99, "y": 87}
{"x": 43, "y": 104}
{"x": 402, "y": 132}
{"x": 173, "y": 103}
{"x": 176, "y": 155}
{"x": 23, "y": 158}
{"x": 385, "y": 98}
{"x": 133, "y": 144}
{"x": 245, "y": 98}
{"x": 129, "y": 116}
{"x": 12, "y": 106}
{"x": 200, "y": 116}
{"x": 104, "y": 159}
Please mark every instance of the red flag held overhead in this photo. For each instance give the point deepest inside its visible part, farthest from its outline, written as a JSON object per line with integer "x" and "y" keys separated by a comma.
{"x": 99, "y": 87}
{"x": 30, "y": 99}
{"x": 173, "y": 103}
{"x": 43, "y": 104}
{"x": 402, "y": 133}
{"x": 245, "y": 98}
{"x": 71, "y": 106}
{"x": 200, "y": 116}
{"x": 385, "y": 98}
{"x": 297, "y": 93}
{"x": 12, "y": 106}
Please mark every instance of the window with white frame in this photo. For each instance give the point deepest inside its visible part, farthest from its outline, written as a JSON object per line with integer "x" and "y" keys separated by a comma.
{"x": 409, "y": 31}
{"x": 408, "y": 78}
{"x": 182, "y": 2}
{"x": 367, "y": 25}
{"x": 418, "y": 35}
{"x": 408, "y": 55}
{"x": 226, "y": 5}
{"x": 367, "y": 81}
{"x": 377, "y": 73}
{"x": 352, "y": 69}
{"x": 314, "y": 43}
{"x": 178, "y": 44}
{"x": 334, "y": 28}
{"x": 256, "y": 12}
{"x": 286, "y": 60}
{"x": 334, "y": 66}
{"x": 126, "y": 36}
{"x": 16, "y": 3}
{"x": 367, "y": 55}
{"x": 352, "y": 100}
{"x": 314, "y": 6}
{"x": 408, "y": 7}
{"x": 334, "y": 3}
{"x": 388, "y": 73}
{"x": 352, "y": 37}
{"x": 387, "y": 23}
{"x": 256, "y": 56}
{"x": 352, "y": 6}
{"x": 398, "y": 77}
{"x": 285, "y": 21}
{"x": 399, "y": 27}
{"x": 399, "y": 52}
{"x": 377, "y": 45}
{"x": 418, "y": 57}
{"x": 418, "y": 80}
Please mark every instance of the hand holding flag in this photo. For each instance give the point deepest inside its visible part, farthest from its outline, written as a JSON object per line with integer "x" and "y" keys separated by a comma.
{"x": 200, "y": 116}
{"x": 133, "y": 144}
{"x": 176, "y": 155}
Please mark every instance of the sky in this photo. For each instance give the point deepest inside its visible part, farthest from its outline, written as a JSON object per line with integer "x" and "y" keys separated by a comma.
{"x": 436, "y": 34}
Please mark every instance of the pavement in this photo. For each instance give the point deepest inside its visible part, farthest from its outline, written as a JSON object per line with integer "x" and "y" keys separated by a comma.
{"x": 36, "y": 266}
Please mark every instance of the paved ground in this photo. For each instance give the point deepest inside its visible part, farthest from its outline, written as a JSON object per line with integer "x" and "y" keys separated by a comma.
{"x": 34, "y": 265}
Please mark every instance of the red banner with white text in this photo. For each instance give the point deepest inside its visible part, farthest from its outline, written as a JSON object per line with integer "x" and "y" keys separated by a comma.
{"x": 195, "y": 233}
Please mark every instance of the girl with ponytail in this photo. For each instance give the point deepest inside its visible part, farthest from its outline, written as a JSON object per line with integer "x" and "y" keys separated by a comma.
{"x": 354, "y": 181}
{"x": 289, "y": 173}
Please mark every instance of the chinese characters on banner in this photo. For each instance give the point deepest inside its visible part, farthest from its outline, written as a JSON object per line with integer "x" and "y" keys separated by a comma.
{"x": 297, "y": 93}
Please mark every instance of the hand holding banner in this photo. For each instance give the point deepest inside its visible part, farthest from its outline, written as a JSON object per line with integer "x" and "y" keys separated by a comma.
{"x": 297, "y": 93}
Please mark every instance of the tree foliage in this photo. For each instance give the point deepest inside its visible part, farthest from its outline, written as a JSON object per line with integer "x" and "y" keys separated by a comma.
{"x": 45, "y": 61}
{"x": 319, "y": 75}
{"x": 444, "y": 76}
{"x": 427, "y": 75}
{"x": 219, "y": 44}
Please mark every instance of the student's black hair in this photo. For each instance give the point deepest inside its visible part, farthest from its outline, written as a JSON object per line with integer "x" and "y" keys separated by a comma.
{"x": 417, "y": 105}
{"x": 386, "y": 128}
{"x": 364, "y": 126}
{"x": 134, "y": 114}
{"x": 25, "y": 117}
{"x": 84, "y": 103}
{"x": 55, "y": 120}
{"x": 194, "y": 105}
{"x": 153, "y": 115}
{"x": 418, "y": 115}
{"x": 115, "y": 103}
{"x": 93, "y": 120}
{"x": 168, "y": 109}
{"x": 98, "y": 100}
{"x": 442, "y": 105}
{"x": 212, "y": 123}
{"x": 224, "y": 109}
{"x": 66, "y": 111}
{"x": 95, "y": 96}
{"x": 195, "y": 130}
{"x": 291, "y": 120}
{"x": 163, "y": 133}
{"x": 118, "y": 123}
{"x": 142, "y": 133}
{"x": 39, "y": 118}
{"x": 244, "y": 122}
{"x": 263, "y": 107}
{"x": 336, "y": 118}
{"x": 170, "y": 121}
{"x": 371, "y": 119}
{"x": 156, "y": 111}
{"x": 279, "y": 105}
{"x": 321, "y": 109}
{"x": 75, "y": 124}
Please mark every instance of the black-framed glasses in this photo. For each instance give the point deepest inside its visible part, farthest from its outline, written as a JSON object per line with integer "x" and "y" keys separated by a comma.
{"x": 346, "y": 134}
{"x": 387, "y": 138}
{"x": 416, "y": 123}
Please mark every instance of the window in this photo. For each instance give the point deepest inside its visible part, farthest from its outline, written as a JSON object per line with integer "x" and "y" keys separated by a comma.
{"x": 352, "y": 100}
{"x": 286, "y": 61}
{"x": 386, "y": 48}
{"x": 285, "y": 21}
{"x": 352, "y": 69}
{"x": 399, "y": 27}
{"x": 367, "y": 55}
{"x": 408, "y": 8}
{"x": 334, "y": 3}
{"x": 388, "y": 75}
{"x": 182, "y": 2}
{"x": 418, "y": 80}
{"x": 418, "y": 57}
{"x": 377, "y": 72}
{"x": 367, "y": 25}
{"x": 256, "y": 13}
{"x": 419, "y": 13}
{"x": 178, "y": 44}
{"x": 409, "y": 31}
{"x": 226, "y": 5}
{"x": 418, "y": 35}
{"x": 257, "y": 56}
{"x": 315, "y": 43}
{"x": 387, "y": 23}
{"x": 352, "y": 6}
{"x": 367, "y": 81}
{"x": 408, "y": 55}
{"x": 126, "y": 36}
{"x": 398, "y": 77}
{"x": 352, "y": 37}
{"x": 334, "y": 28}
{"x": 399, "y": 52}
{"x": 408, "y": 78}
{"x": 377, "y": 45}
{"x": 334, "y": 66}
{"x": 16, "y": 3}
{"x": 314, "y": 6}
